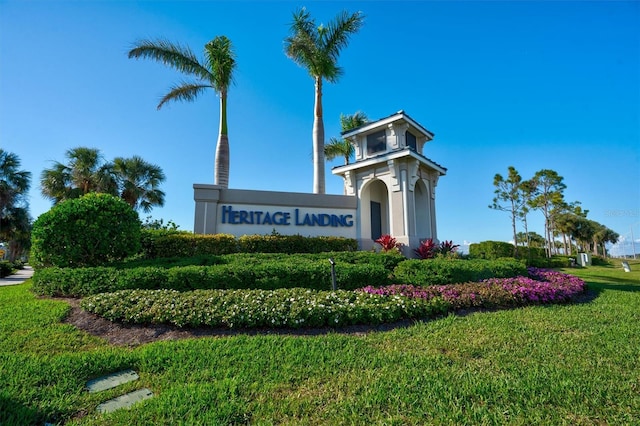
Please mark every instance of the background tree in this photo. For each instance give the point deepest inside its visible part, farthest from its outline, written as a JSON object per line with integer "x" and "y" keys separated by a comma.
{"x": 139, "y": 182}
{"x": 583, "y": 232}
{"x": 14, "y": 183}
{"x": 16, "y": 230}
{"x": 215, "y": 72}
{"x": 85, "y": 172}
{"x": 342, "y": 147}
{"x": 132, "y": 179}
{"x": 509, "y": 199}
{"x": 601, "y": 236}
{"x": 527, "y": 192}
{"x": 317, "y": 49}
{"x": 530, "y": 239}
{"x": 15, "y": 222}
{"x": 549, "y": 192}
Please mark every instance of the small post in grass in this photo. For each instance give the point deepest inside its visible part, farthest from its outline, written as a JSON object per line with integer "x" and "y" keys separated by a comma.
{"x": 625, "y": 266}
{"x": 334, "y": 284}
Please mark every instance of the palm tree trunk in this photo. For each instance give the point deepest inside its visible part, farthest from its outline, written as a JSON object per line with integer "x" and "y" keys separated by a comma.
{"x": 318, "y": 141}
{"x": 221, "y": 168}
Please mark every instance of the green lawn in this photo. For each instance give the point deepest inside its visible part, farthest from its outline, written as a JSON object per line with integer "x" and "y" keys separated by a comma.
{"x": 563, "y": 364}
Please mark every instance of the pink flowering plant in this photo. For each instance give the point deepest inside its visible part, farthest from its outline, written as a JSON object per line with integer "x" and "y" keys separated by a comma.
{"x": 541, "y": 286}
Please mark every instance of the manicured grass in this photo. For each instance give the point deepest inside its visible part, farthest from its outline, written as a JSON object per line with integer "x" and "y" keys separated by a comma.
{"x": 555, "y": 364}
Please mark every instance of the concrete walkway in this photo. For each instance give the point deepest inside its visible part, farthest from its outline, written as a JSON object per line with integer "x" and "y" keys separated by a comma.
{"x": 19, "y": 277}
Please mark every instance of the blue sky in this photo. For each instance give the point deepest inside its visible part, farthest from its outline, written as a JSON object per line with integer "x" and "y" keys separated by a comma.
{"x": 534, "y": 85}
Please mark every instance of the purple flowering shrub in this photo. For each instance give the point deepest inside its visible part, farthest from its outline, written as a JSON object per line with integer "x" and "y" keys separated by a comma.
{"x": 541, "y": 286}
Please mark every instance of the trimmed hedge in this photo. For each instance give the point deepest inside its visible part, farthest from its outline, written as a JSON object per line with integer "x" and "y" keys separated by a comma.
{"x": 267, "y": 275}
{"x": 294, "y": 244}
{"x": 163, "y": 243}
{"x": 159, "y": 243}
{"x": 451, "y": 271}
{"x": 491, "y": 250}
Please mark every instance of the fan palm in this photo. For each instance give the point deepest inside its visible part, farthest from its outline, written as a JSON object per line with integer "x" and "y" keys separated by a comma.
{"x": 14, "y": 183}
{"x": 139, "y": 182}
{"x": 342, "y": 147}
{"x": 317, "y": 48}
{"x": 85, "y": 172}
{"x": 215, "y": 72}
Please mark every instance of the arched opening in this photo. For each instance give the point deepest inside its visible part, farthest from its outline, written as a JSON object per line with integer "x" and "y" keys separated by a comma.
{"x": 374, "y": 205}
{"x": 423, "y": 210}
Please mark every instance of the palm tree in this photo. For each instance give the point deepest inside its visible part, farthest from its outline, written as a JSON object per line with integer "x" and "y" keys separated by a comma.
{"x": 14, "y": 183}
{"x": 215, "y": 72}
{"x": 138, "y": 182}
{"x": 342, "y": 147}
{"x": 85, "y": 172}
{"x": 16, "y": 229}
{"x": 317, "y": 48}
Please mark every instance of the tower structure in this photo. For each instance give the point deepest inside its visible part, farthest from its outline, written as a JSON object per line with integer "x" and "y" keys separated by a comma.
{"x": 392, "y": 180}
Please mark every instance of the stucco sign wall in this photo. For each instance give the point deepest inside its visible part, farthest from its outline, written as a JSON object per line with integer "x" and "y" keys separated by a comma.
{"x": 244, "y": 212}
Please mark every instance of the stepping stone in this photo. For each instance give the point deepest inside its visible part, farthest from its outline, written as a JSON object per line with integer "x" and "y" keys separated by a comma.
{"x": 111, "y": 380}
{"x": 124, "y": 401}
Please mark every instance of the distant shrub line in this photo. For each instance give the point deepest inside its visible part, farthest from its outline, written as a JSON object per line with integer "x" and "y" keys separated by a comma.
{"x": 532, "y": 256}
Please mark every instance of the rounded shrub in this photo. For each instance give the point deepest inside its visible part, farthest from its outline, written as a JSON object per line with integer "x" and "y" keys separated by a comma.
{"x": 87, "y": 231}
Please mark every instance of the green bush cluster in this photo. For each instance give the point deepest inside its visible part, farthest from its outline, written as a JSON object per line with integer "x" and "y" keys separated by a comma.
{"x": 161, "y": 243}
{"x": 532, "y": 256}
{"x": 87, "y": 231}
{"x": 294, "y": 244}
{"x": 552, "y": 262}
{"x": 6, "y": 268}
{"x": 259, "y": 308}
{"x": 440, "y": 271}
{"x": 157, "y": 243}
{"x": 490, "y": 250}
{"x": 387, "y": 260}
{"x": 240, "y": 271}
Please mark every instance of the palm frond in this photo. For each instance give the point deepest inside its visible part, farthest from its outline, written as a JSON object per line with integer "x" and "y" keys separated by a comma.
{"x": 184, "y": 92}
{"x": 221, "y": 62}
{"x": 302, "y": 45}
{"x": 175, "y": 55}
{"x": 338, "y": 32}
{"x": 338, "y": 148}
{"x": 353, "y": 121}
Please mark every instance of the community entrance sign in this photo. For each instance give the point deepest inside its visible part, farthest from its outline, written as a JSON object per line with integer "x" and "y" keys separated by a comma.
{"x": 389, "y": 189}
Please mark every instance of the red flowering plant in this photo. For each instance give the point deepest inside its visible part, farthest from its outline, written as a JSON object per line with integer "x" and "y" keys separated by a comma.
{"x": 427, "y": 249}
{"x": 388, "y": 243}
{"x": 447, "y": 247}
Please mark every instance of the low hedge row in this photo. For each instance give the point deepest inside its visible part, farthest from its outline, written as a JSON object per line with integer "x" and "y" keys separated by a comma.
{"x": 451, "y": 271}
{"x": 389, "y": 259}
{"x": 259, "y": 308}
{"x": 266, "y": 275}
{"x": 163, "y": 243}
{"x": 272, "y": 271}
{"x": 308, "y": 308}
